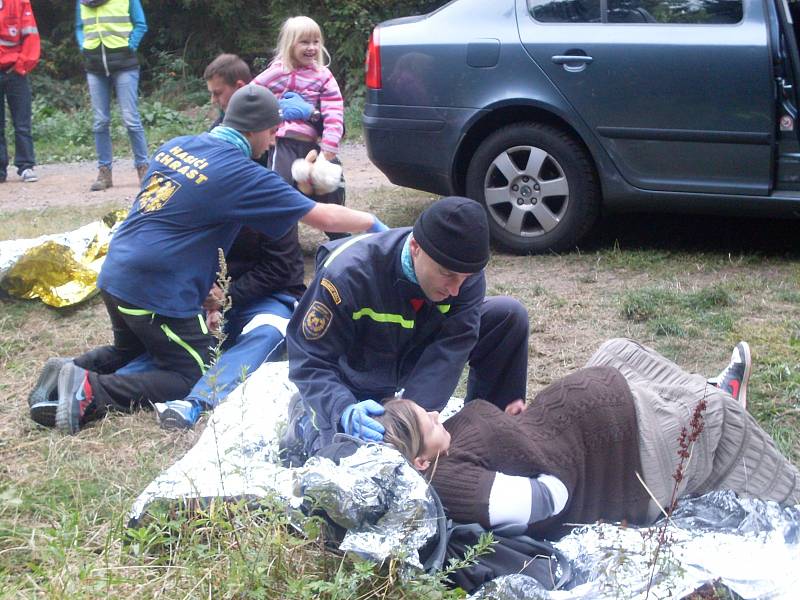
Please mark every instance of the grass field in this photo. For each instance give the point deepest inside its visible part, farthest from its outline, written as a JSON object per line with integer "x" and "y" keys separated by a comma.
{"x": 691, "y": 288}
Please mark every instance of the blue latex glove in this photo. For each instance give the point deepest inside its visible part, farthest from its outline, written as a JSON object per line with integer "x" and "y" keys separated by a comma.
{"x": 294, "y": 108}
{"x": 356, "y": 421}
{"x": 377, "y": 226}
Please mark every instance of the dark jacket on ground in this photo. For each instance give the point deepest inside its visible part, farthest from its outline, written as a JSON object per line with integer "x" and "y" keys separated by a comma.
{"x": 259, "y": 266}
{"x": 581, "y": 429}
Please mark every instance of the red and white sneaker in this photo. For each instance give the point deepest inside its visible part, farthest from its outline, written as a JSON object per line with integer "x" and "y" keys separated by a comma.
{"x": 733, "y": 378}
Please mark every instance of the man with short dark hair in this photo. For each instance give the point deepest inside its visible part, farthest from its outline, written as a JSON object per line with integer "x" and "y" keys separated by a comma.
{"x": 223, "y": 76}
{"x": 401, "y": 313}
{"x": 197, "y": 193}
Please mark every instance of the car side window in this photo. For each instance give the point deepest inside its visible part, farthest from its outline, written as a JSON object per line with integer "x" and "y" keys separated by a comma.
{"x": 697, "y": 12}
{"x": 705, "y": 12}
{"x": 565, "y": 11}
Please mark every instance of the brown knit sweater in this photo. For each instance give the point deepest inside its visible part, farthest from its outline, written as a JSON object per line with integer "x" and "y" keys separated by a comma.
{"x": 581, "y": 429}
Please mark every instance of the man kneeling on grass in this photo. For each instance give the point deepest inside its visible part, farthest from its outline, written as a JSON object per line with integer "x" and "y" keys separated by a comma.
{"x": 197, "y": 194}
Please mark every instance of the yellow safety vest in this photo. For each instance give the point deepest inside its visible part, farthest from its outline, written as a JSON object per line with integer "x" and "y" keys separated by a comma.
{"x": 109, "y": 24}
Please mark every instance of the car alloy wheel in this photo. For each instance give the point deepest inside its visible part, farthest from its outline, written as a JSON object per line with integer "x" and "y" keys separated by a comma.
{"x": 538, "y": 185}
{"x": 526, "y": 191}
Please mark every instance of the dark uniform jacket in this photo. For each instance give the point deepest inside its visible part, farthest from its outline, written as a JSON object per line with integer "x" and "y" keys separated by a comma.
{"x": 363, "y": 330}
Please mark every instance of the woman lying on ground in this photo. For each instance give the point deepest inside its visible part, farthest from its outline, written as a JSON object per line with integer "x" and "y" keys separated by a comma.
{"x": 573, "y": 456}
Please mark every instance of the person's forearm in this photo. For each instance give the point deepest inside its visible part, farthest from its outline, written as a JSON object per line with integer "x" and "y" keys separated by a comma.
{"x": 338, "y": 219}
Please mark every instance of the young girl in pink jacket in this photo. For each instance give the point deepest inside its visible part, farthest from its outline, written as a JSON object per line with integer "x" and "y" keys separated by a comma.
{"x": 299, "y": 66}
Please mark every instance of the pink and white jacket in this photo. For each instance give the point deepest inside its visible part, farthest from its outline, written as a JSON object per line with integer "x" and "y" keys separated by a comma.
{"x": 318, "y": 87}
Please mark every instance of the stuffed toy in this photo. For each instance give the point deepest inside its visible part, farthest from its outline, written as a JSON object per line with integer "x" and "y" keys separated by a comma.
{"x": 315, "y": 175}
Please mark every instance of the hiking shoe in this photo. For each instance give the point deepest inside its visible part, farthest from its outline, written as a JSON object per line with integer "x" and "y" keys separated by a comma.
{"x": 733, "y": 378}
{"x": 29, "y": 176}
{"x": 44, "y": 413}
{"x": 141, "y": 171}
{"x": 177, "y": 414}
{"x": 103, "y": 181}
{"x": 75, "y": 399}
{"x": 46, "y": 386}
{"x": 43, "y": 399}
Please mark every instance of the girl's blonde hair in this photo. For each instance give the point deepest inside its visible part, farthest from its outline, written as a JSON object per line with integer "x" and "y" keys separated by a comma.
{"x": 292, "y": 30}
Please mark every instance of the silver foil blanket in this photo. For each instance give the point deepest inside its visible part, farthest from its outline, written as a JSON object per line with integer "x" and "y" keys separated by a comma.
{"x": 750, "y": 547}
{"x": 375, "y": 494}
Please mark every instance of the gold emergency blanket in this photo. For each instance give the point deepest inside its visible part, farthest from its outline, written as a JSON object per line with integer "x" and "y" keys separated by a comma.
{"x": 60, "y": 269}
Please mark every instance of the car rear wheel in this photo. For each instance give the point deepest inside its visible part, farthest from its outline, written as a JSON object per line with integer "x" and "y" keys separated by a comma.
{"x": 538, "y": 186}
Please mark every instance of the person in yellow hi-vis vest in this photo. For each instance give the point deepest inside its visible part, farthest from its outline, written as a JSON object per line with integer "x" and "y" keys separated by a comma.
{"x": 108, "y": 33}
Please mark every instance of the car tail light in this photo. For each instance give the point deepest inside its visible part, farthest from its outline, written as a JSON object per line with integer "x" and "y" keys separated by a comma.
{"x": 372, "y": 66}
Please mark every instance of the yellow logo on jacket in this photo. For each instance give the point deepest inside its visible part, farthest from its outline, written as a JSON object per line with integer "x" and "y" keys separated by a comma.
{"x": 317, "y": 320}
{"x": 156, "y": 192}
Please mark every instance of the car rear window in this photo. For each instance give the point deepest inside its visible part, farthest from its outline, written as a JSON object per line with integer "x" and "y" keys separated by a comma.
{"x": 689, "y": 12}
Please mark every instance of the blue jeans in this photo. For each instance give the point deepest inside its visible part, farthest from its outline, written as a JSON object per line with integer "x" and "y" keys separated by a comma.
{"x": 256, "y": 335}
{"x": 17, "y": 90}
{"x": 126, "y": 85}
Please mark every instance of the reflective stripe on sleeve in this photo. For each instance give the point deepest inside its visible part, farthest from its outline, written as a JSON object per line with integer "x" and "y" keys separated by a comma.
{"x": 384, "y": 318}
{"x": 343, "y": 247}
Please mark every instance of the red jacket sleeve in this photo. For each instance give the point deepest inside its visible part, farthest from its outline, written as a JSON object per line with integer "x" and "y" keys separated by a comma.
{"x": 31, "y": 47}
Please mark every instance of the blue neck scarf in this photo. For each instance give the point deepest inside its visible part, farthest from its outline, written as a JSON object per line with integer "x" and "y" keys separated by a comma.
{"x": 234, "y": 137}
{"x": 408, "y": 264}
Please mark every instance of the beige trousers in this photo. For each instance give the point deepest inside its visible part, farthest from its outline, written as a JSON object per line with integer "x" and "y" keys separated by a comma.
{"x": 733, "y": 451}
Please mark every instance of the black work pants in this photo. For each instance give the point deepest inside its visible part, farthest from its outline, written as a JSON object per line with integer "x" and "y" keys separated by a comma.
{"x": 180, "y": 351}
{"x": 499, "y": 361}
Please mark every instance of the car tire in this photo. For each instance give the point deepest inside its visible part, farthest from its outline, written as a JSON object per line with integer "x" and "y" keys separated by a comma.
{"x": 538, "y": 185}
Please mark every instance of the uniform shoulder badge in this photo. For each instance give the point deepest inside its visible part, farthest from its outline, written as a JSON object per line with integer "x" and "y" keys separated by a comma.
{"x": 326, "y": 283}
{"x": 317, "y": 320}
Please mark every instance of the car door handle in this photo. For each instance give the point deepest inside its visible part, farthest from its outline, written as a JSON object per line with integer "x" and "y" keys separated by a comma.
{"x": 572, "y": 63}
{"x": 563, "y": 59}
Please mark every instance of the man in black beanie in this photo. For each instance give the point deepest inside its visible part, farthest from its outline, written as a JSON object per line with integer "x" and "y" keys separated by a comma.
{"x": 401, "y": 313}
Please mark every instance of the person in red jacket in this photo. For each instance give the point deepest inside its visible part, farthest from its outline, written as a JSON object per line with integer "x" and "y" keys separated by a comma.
{"x": 19, "y": 53}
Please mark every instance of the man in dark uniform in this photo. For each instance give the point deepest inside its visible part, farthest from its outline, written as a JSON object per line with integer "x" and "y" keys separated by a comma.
{"x": 402, "y": 312}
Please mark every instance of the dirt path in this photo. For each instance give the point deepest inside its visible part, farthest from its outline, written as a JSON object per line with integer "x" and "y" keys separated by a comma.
{"x": 67, "y": 184}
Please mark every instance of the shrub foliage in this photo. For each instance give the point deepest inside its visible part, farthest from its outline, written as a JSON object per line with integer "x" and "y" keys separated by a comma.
{"x": 190, "y": 33}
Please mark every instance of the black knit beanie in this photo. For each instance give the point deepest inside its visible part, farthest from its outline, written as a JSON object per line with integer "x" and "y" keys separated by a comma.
{"x": 454, "y": 232}
{"x": 252, "y": 108}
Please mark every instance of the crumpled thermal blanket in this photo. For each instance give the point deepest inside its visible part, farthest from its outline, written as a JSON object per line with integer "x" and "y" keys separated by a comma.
{"x": 752, "y": 547}
{"x": 383, "y": 502}
{"x": 60, "y": 269}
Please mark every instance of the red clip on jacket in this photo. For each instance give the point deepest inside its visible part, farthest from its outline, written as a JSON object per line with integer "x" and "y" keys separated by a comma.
{"x": 19, "y": 37}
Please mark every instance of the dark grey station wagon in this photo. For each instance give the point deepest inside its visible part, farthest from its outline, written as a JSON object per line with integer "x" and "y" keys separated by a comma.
{"x": 549, "y": 111}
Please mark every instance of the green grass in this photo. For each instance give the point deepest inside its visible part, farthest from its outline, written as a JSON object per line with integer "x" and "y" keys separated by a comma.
{"x": 64, "y": 500}
{"x": 67, "y": 136}
{"x": 674, "y": 312}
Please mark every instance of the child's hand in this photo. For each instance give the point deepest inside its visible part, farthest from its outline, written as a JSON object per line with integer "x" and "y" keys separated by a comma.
{"x": 294, "y": 108}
